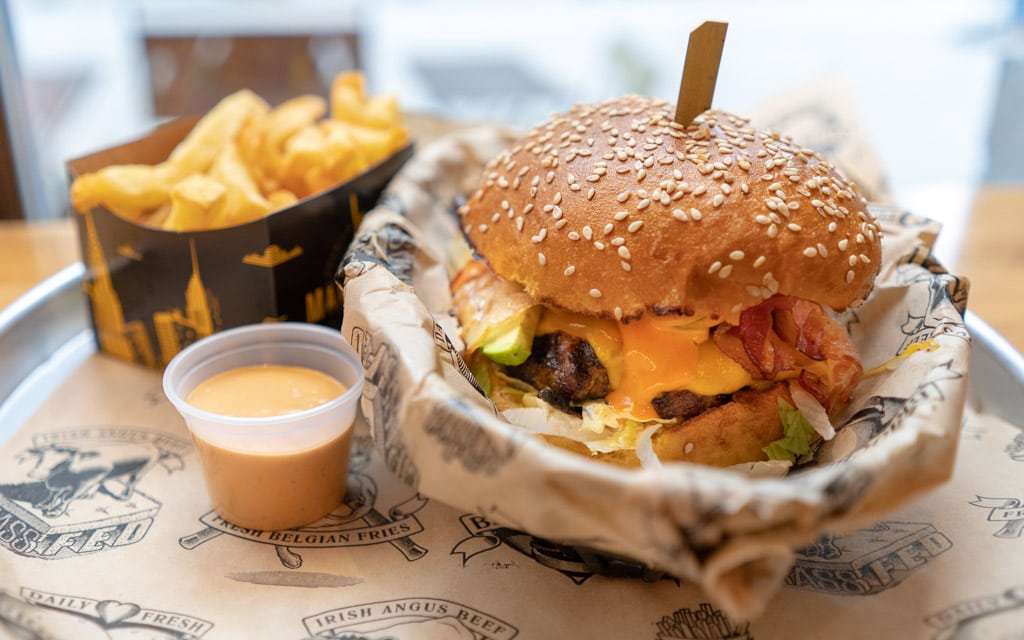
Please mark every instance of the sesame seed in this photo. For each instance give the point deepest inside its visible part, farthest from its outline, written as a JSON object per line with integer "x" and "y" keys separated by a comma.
{"x": 850, "y": 275}
{"x": 625, "y": 266}
{"x": 561, "y": 223}
{"x": 699, "y": 191}
{"x": 608, "y": 228}
{"x": 680, "y": 215}
{"x": 843, "y": 244}
{"x": 528, "y": 208}
{"x": 588, "y": 233}
{"x": 519, "y": 223}
{"x": 540, "y": 236}
{"x": 853, "y": 261}
{"x": 595, "y": 293}
{"x": 715, "y": 266}
{"x": 810, "y": 252}
{"x": 590, "y": 193}
{"x": 696, "y": 214}
{"x": 558, "y": 198}
{"x": 817, "y": 203}
{"x": 865, "y": 259}
{"x": 549, "y": 177}
{"x": 643, "y": 204}
{"x": 574, "y": 235}
{"x": 737, "y": 255}
{"x": 688, "y": 448}
{"x": 754, "y": 291}
{"x": 569, "y": 270}
{"x": 773, "y": 231}
{"x": 760, "y": 261}
{"x": 725, "y": 272}
{"x": 618, "y": 313}
{"x": 542, "y": 259}
{"x": 762, "y": 219}
{"x": 599, "y": 245}
{"x": 640, "y": 175}
{"x": 482, "y": 228}
{"x": 792, "y": 226}
{"x": 624, "y": 252}
{"x": 635, "y": 226}
{"x": 620, "y": 216}
{"x": 717, "y": 200}
{"x": 822, "y": 250}
{"x": 556, "y": 212}
{"x": 623, "y": 196}
{"x": 548, "y": 208}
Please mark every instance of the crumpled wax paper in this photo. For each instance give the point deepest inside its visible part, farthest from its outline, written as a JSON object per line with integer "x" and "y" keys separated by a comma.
{"x": 732, "y": 534}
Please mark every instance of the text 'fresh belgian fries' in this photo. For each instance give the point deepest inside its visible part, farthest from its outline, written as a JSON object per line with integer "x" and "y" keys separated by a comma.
{"x": 244, "y": 159}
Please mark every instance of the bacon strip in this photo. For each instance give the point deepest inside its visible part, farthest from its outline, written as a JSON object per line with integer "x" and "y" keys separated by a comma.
{"x": 786, "y": 337}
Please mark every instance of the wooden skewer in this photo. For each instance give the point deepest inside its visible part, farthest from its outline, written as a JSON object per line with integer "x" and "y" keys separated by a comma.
{"x": 700, "y": 71}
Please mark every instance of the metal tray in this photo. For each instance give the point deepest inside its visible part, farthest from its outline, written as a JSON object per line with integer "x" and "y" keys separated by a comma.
{"x": 46, "y": 334}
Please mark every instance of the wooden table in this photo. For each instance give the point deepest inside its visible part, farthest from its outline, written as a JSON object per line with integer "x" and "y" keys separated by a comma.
{"x": 992, "y": 257}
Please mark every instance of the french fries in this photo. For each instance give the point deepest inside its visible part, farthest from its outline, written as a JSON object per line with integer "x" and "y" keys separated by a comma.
{"x": 245, "y": 159}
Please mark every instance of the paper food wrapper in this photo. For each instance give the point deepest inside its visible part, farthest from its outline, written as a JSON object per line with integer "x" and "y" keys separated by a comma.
{"x": 731, "y": 533}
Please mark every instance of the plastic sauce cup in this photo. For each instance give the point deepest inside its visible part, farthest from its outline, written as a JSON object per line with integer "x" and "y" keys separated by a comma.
{"x": 275, "y": 472}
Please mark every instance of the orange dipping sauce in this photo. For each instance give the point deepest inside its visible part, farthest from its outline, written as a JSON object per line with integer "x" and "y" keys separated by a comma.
{"x": 264, "y": 390}
{"x": 286, "y": 482}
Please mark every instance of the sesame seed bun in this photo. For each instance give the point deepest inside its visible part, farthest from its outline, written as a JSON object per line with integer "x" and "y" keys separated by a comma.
{"x": 615, "y": 210}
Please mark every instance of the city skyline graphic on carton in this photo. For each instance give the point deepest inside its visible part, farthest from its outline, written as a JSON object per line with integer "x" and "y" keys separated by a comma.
{"x": 175, "y": 328}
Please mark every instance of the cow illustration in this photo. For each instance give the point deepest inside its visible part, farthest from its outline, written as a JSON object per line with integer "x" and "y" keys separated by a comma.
{"x": 63, "y": 473}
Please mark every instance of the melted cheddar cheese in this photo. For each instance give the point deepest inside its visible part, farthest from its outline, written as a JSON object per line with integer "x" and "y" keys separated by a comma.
{"x": 647, "y": 357}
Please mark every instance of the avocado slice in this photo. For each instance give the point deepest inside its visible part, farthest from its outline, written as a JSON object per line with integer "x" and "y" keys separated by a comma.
{"x": 510, "y": 343}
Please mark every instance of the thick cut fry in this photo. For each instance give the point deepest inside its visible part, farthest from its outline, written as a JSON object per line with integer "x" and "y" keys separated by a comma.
{"x": 281, "y": 198}
{"x": 219, "y": 126}
{"x": 242, "y": 201}
{"x": 377, "y": 144}
{"x": 305, "y": 150}
{"x": 348, "y": 93}
{"x": 382, "y": 112}
{"x": 193, "y": 201}
{"x": 284, "y": 121}
{"x": 129, "y": 190}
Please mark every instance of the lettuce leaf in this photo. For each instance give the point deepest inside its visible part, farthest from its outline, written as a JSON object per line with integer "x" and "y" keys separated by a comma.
{"x": 797, "y": 435}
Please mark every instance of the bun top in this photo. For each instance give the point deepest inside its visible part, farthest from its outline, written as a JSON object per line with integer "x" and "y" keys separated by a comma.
{"x": 615, "y": 210}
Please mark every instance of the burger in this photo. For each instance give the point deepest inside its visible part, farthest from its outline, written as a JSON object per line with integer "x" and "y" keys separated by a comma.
{"x": 641, "y": 290}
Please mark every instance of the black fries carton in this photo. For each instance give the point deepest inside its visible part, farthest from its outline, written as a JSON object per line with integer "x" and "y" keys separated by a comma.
{"x": 153, "y": 292}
